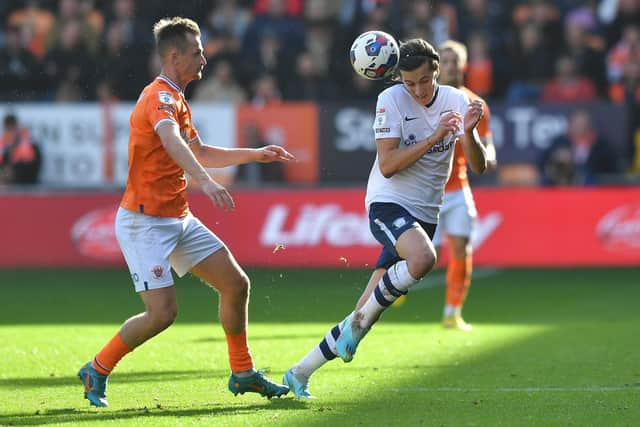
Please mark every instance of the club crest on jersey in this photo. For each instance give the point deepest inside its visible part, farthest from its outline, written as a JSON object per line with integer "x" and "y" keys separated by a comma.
{"x": 399, "y": 222}
{"x": 166, "y": 97}
{"x": 157, "y": 271}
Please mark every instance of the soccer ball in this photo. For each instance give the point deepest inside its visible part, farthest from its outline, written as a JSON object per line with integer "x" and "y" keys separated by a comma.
{"x": 374, "y": 55}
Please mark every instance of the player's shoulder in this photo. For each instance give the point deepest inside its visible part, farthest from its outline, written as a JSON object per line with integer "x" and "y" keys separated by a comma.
{"x": 395, "y": 91}
{"x": 471, "y": 94}
{"x": 161, "y": 91}
{"x": 451, "y": 92}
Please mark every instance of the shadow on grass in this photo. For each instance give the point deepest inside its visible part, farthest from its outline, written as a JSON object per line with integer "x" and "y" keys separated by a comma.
{"x": 76, "y": 416}
{"x": 120, "y": 377}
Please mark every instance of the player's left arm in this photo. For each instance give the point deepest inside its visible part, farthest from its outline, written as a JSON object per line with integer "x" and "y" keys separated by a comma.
{"x": 474, "y": 149}
{"x": 218, "y": 157}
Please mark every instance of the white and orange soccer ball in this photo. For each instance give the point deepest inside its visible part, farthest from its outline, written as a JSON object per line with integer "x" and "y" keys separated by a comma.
{"x": 374, "y": 55}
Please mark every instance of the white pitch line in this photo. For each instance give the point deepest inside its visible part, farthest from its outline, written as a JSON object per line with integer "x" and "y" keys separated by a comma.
{"x": 635, "y": 387}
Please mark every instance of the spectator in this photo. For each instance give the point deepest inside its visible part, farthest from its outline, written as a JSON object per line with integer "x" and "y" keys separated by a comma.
{"x": 308, "y": 83}
{"x": 265, "y": 91}
{"x": 70, "y": 67}
{"x": 627, "y": 49}
{"x": 19, "y": 71}
{"x": 627, "y": 89}
{"x": 220, "y": 87}
{"x": 566, "y": 85}
{"x": 531, "y": 64}
{"x": 432, "y": 20}
{"x": 258, "y": 174}
{"x": 19, "y": 155}
{"x": 287, "y": 30}
{"x": 35, "y": 23}
{"x": 581, "y": 157}
{"x": 586, "y": 49}
{"x": 479, "y": 75}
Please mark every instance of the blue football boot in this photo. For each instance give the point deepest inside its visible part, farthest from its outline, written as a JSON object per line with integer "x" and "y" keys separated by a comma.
{"x": 299, "y": 387}
{"x": 256, "y": 383}
{"x": 95, "y": 385}
{"x": 350, "y": 336}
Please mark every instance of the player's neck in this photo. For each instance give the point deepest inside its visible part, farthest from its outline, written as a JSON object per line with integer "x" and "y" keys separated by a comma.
{"x": 174, "y": 78}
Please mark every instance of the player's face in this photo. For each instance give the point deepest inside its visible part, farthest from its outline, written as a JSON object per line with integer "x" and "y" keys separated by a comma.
{"x": 451, "y": 68}
{"x": 421, "y": 83}
{"x": 192, "y": 60}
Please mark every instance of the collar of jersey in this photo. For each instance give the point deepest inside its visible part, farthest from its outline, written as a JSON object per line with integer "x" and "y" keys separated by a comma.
{"x": 172, "y": 84}
{"x": 435, "y": 95}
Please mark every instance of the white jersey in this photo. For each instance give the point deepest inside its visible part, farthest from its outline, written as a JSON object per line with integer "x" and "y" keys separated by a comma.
{"x": 419, "y": 188}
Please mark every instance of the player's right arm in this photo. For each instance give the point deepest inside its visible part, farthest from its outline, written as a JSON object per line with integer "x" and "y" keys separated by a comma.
{"x": 392, "y": 159}
{"x": 178, "y": 150}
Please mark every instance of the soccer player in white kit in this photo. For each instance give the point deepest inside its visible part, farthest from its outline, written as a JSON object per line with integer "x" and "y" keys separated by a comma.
{"x": 416, "y": 126}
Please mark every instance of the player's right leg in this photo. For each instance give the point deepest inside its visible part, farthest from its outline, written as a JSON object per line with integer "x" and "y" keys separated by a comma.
{"x": 407, "y": 238}
{"x": 149, "y": 266}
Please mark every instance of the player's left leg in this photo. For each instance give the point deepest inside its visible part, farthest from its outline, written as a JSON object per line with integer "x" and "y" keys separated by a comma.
{"x": 297, "y": 377}
{"x": 459, "y": 224}
{"x": 458, "y": 281}
{"x": 222, "y": 272}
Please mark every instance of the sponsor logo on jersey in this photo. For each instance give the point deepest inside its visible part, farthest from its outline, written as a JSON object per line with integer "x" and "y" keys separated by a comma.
{"x": 408, "y": 119}
{"x": 167, "y": 107}
{"x": 383, "y": 130}
{"x": 410, "y": 140}
{"x": 166, "y": 97}
{"x": 442, "y": 146}
{"x": 381, "y": 116}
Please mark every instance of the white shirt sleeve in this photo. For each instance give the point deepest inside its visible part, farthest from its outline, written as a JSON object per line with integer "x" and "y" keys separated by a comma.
{"x": 388, "y": 121}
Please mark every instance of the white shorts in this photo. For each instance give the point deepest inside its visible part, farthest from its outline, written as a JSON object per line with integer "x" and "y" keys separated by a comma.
{"x": 153, "y": 244}
{"x": 457, "y": 216}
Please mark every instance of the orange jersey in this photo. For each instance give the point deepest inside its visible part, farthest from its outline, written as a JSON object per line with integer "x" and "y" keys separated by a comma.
{"x": 458, "y": 178}
{"x": 156, "y": 184}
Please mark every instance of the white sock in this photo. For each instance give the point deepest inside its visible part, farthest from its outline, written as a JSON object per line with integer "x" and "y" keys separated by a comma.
{"x": 319, "y": 355}
{"x": 449, "y": 310}
{"x": 310, "y": 363}
{"x": 395, "y": 282}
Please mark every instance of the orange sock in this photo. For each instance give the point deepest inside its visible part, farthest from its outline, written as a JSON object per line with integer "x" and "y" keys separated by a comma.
{"x": 458, "y": 280}
{"x": 239, "y": 355}
{"x": 110, "y": 355}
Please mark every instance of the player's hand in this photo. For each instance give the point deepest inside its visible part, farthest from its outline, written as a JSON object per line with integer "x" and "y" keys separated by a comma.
{"x": 273, "y": 153}
{"x": 450, "y": 123}
{"x": 219, "y": 195}
{"x": 473, "y": 115}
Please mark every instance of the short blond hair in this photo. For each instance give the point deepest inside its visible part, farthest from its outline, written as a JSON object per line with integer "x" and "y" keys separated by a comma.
{"x": 456, "y": 47}
{"x": 172, "y": 32}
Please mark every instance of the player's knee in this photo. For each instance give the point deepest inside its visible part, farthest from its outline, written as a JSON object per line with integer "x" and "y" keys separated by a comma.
{"x": 421, "y": 263}
{"x": 241, "y": 286}
{"x": 164, "y": 318}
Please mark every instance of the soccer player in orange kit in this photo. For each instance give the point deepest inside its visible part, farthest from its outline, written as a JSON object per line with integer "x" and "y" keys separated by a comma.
{"x": 157, "y": 231}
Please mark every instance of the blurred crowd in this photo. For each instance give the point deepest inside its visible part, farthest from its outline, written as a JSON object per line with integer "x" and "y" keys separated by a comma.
{"x": 265, "y": 51}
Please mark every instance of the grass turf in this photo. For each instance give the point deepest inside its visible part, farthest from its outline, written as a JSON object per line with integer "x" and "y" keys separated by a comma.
{"x": 550, "y": 347}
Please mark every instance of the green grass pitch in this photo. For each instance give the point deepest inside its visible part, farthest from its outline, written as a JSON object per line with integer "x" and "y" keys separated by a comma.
{"x": 550, "y": 347}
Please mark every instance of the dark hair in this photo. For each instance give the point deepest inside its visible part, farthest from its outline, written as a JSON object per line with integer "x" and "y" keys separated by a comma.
{"x": 10, "y": 120}
{"x": 172, "y": 32}
{"x": 416, "y": 52}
